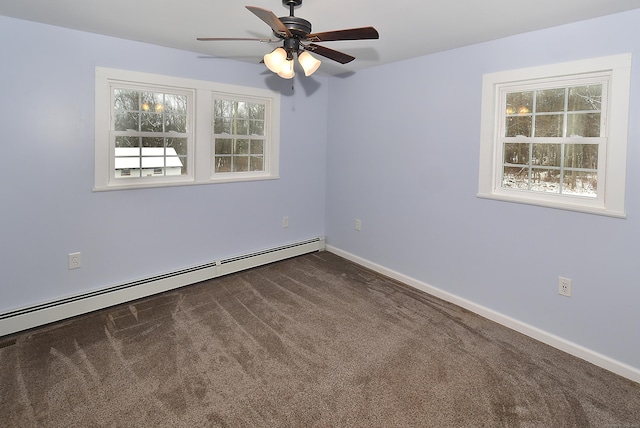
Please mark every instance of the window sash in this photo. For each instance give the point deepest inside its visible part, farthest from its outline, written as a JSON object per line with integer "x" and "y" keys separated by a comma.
{"x": 233, "y": 163}
{"x": 150, "y": 166}
{"x": 547, "y": 192}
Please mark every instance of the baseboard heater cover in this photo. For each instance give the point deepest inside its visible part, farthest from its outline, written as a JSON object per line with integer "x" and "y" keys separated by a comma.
{"x": 57, "y": 310}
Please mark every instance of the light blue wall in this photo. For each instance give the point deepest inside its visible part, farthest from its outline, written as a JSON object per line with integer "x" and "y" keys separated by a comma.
{"x": 403, "y": 157}
{"x": 47, "y": 205}
{"x": 403, "y": 144}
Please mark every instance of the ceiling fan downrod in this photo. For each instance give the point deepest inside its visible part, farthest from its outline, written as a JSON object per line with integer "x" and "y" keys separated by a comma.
{"x": 298, "y": 27}
{"x": 291, "y": 4}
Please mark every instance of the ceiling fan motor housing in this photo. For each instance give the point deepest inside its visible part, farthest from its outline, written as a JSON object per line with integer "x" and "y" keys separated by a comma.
{"x": 299, "y": 27}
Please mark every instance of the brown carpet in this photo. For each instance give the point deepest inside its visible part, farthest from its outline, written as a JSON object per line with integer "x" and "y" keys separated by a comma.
{"x": 314, "y": 341}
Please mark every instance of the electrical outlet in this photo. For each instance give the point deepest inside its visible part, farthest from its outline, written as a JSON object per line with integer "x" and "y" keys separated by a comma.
{"x": 564, "y": 286}
{"x": 75, "y": 260}
{"x": 285, "y": 221}
{"x": 358, "y": 224}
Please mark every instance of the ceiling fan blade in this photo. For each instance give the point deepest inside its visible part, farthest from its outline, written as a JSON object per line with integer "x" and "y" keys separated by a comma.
{"x": 226, "y": 39}
{"x": 271, "y": 20}
{"x": 340, "y": 57}
{"x": 361, "y": 33}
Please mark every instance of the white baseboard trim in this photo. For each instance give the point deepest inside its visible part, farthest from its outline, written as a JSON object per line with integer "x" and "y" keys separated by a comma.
{"x": 45, "y": 313}
{"x": 569, "y": 347}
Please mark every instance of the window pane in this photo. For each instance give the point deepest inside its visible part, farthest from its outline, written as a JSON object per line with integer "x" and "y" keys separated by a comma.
{"x": 224, "y": 146}
{"x": 545, "y": 180}
{"x": 127, "y": 141}
{"x": 581, "y": 156}
{"x": 256, "y": 111}
{"x": 242, "y": 147}
{"x": 241, "y": 109}
{"x": 549, "y": 125}
{"x": 518, "y": 125}
{"x": 257, "y": 147}
{"x": 515, "y": 177}
{"x": 223, "y": 164}
{"x": 550, "y": 100}
{"x": 585, "y": 98}
{"x": 519, "y": 102}
{"x": 546, "y": 154}
{"x": 222, "y": 108}
{"x": 151, "y": 122}
{"x": 257, "y": 163}
{"x": 580, "y": 183}
{"x": 128, "y": 121}
{"x": 175, "y": 123}
{"x": 152, "y": 102}
{"x": 152, "y": 142}
{"x": 175, "y": 104}
{"x": 222, "y": 126}
{"x": 126, "y": 100}
{"x": 516, "y": 153}
{"x": 256, "y": 127}
{"x": 240, "y": 163}
{"x": 583, "y": 125}
{"x": 241, "y": 127}
{"x": 179, "y": 145}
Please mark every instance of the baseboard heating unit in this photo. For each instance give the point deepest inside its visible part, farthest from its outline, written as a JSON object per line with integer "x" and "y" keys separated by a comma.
{"x": 57, "y": 310}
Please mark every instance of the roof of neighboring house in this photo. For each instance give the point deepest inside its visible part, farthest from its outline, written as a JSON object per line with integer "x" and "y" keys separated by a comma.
{"x": 152, "y": 157}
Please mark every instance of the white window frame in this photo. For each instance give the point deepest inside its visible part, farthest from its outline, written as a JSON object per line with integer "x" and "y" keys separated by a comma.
{"x": 612, "y": 152}
{"x": 200, "y": 129}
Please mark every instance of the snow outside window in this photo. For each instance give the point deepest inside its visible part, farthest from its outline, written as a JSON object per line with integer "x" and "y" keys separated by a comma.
{"x": 556, "y": 135}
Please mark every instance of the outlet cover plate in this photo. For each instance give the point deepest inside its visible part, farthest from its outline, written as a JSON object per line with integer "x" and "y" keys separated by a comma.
{"x": 564, "y": 286}
{"x": 75, "y": 260}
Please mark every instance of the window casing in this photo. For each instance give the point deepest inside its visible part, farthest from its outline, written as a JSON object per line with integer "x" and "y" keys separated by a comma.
{"x": 154, "y": 130}
{"x": 556, "y": 135}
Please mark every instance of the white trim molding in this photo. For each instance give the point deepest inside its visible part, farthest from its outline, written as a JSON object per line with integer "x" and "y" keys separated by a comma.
{"x": 603, "y": 361}
{"x": 48, "y": 312}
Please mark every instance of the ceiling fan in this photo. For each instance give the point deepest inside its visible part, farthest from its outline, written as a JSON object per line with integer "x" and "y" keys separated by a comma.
{"x": 297, "y": 39}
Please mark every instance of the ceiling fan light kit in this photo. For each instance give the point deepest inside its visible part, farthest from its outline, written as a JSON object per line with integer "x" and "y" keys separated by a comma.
{"x": 286, "y": 71}
{"x": 298, "y": 40}
{"x": 309, "y": 63}
{"x": 275, "y": 60}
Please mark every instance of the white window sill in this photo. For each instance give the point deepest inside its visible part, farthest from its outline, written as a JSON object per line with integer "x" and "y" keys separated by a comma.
{"x": 546, "y": 204}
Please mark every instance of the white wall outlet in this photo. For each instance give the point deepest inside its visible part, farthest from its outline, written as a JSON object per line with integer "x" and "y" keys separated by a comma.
{"x": 285, "y": 221}
{"x": 75, "y": 260}
{"x": 564, "y": 286}
{"x": 358, "y": 224}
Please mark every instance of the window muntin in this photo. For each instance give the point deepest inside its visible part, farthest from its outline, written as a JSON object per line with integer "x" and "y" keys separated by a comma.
{"x": 157, "y": 131}
{"x": 557, "y": 143}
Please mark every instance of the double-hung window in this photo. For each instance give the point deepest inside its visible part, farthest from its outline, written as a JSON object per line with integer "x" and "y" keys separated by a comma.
{"x": 556, "y": 135}
{"x": 238, "y": 135}
{"x": 154, "y": 130}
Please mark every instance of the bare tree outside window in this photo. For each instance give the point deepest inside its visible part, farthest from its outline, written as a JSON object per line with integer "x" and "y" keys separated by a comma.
{"x": 542, "y": 128}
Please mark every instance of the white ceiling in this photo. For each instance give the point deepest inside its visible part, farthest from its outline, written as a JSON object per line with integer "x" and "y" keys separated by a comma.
{"x": 408, "y": 28}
